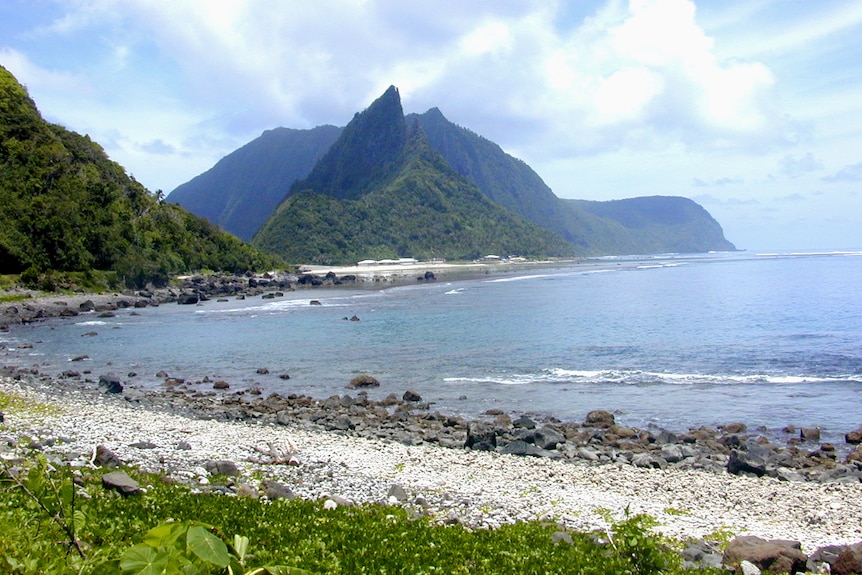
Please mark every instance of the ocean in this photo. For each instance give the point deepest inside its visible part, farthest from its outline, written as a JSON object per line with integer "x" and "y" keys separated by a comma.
{"x": 671, "y": 341}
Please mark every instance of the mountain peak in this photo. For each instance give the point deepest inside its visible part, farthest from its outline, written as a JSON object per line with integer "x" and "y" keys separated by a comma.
{"x": 365, "y": 152}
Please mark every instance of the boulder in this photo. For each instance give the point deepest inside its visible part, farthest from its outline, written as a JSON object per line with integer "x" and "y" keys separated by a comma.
{"x": 519, "y": 447}
{"x": 110, "y": 383}
{"x": 276, "y": 490}
{"x": 411, "y": 396}
{"x": 750, "y": 458}
{"x": 87, "y": 306}
{"x": 524, "y": 422}
{"x": 104, "y": 457}
{"x": 548, "y": 438}
{"x": 809, "y": 434}
{"x": 121, "y": 482}
{"x": 672, "y": 453}
{"x": 599, "y": 418}
{"x": 398, "y": 493}
{"x": 855, "y": 455}
{"x": 188, "y": 299}
{"x": 775, "y": 556}
{"x": 823, "y": 559}
{"x": 481, "y": 436}
{"x": 221, "y": 384}
{"x": 363, "y": 381}
{"x": 734, "y": 428}
{"x": 221, "y": 467}
{"x": 853, "y": 437}
{"x": 849, "y": 561}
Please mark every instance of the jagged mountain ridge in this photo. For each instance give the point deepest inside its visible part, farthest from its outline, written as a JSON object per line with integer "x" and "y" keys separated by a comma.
{"x": 594, "y": 228}
{"x": 382, "y": 192}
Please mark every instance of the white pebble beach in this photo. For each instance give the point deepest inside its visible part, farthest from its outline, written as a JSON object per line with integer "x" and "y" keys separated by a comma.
{"x": 480, "y": 489}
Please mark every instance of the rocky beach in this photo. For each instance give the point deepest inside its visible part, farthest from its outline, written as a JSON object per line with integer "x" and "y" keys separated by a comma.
{"x": 701, "y": 485}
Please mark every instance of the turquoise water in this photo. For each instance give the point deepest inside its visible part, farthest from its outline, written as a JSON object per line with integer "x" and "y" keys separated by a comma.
{"x": 675, "y": 341}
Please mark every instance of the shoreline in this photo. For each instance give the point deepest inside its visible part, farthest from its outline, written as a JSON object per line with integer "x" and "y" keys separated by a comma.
{"x": 477, "y": 488}
{"x": 28, "y": 306}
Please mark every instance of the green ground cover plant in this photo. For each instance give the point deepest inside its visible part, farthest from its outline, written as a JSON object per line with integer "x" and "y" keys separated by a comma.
{"x": 64, "y": 521}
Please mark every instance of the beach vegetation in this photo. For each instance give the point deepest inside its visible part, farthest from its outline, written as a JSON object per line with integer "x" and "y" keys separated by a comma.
{"x": 15, "y": 403}
{"x": 56, "y": 520}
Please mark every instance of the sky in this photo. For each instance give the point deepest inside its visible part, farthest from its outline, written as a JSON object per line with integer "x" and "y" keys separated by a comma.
{"x": 752, "y": 108}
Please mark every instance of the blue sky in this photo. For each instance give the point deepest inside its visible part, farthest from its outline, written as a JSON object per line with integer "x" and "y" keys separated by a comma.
{"x": 752, "y": 108}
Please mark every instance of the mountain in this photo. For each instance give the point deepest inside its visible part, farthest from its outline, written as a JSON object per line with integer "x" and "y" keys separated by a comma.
{"x": 68, "y": 208}
{"x": 591, "y": 227}
{"x": 382, "y": 192}
{"x": 244, "y": 187}
{"x": 630, "y": 226}
{"x": 662, "y": 224}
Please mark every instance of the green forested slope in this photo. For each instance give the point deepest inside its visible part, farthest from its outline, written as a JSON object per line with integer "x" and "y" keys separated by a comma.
{"x": 662, "y": 224}
{"x": 244, "y": 187}
{"x": 67, "y": 207}
{"x": 382, "y": 192}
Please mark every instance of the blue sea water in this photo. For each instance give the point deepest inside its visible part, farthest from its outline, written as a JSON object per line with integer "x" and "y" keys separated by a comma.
{"x": 673, "y": 341}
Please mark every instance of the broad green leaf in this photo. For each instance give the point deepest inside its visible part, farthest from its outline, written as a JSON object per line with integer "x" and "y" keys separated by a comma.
{"x": 143, "y": 560}
{"x": 165, "y": 535}
{"x": 207, "y": 546}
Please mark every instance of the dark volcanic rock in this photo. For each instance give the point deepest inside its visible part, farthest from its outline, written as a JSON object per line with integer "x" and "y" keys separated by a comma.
{"x": 411, "y": 396}
{"x": 519, "y": 447}
{"x": 481, "y": 436}
{"x": 749, "y": 458}
{"x": 548, "y": 438}
{"x": 110, "y": 383}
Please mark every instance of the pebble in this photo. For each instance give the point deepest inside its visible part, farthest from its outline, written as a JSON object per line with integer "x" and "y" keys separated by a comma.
{"x": 451, "y": 485}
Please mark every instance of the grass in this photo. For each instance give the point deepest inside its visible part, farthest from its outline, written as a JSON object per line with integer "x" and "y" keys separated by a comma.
{"x": 298, "y": 533}
{"x": 13, "y": 402}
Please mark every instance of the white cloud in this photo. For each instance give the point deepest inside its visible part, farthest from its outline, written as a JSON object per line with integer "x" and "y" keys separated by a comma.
{"x": 604, "y": 98}
{"x": 39, "y": 79}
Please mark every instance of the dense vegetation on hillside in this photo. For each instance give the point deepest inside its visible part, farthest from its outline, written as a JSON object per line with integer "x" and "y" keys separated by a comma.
{"x": 424, "y": 211}
{"x": 382, "y": 192}
{"x": 245, "y": 187}
{"x": 662, "y": 224}
{"x": 68, "y": 208}
{"x": 630, "y": 226}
